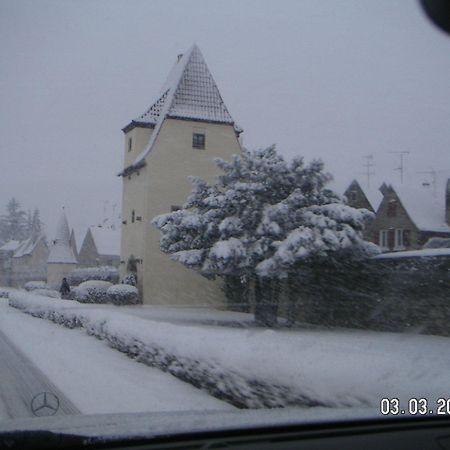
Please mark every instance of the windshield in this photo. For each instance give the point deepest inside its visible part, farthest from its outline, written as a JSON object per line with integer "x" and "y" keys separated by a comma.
{"x": 232, "y": 213}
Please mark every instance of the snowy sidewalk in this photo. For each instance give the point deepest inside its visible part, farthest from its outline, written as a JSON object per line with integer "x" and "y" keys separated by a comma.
{"x": 96, "y": 378}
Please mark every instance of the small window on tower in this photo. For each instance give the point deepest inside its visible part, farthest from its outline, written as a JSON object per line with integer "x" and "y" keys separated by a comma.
{"x": 198, "y": 140}
{"x": 130, "y": 144}
{"x": 133, "y": 216}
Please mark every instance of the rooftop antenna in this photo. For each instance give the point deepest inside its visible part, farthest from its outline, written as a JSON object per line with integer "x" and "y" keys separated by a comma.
{"x": 369, "y": 165}
{"x": 113, "y": 226}
{"x": 401, "y": 167}
{"x": 105, "y": 218}
{"x": 433, "y": 175}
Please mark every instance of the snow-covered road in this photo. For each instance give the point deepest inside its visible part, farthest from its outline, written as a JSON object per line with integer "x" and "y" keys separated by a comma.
{"x": 21, "y": 381}
{"x": 94, "y": 377}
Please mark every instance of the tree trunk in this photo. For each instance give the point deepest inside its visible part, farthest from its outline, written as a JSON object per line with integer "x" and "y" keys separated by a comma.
{"x": 236, "y": 290}
{"x": 292, "y": 300}
{"x": 266, "y": 301}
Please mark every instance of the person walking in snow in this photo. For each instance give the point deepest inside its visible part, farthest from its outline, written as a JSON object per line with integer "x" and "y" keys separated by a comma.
{"x": 64, "y": 289}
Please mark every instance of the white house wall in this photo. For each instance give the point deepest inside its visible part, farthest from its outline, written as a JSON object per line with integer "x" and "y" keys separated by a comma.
{"x": 164, "y": 183}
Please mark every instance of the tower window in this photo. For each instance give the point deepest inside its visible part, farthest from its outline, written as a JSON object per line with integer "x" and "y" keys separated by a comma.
{"x": 133, "y": 216}
{"x": 130, "y": 144}
{"x": 198, "y": 140}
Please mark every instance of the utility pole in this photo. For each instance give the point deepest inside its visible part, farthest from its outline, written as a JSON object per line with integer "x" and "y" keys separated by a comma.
{"x": 369, "y": 165}
{"x": 401, "y": 167}
{"x": 433, "y": 175}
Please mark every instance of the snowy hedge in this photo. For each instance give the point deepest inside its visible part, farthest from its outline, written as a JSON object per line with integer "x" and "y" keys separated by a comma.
{"x": 93, "y": 291}
{"x": 47, "y": 293}
{"x": 197, "y": 356}
{"x": 103, "y": 273}
{"x": 123, "y": 294}
{"x": 4, "y": 293}
{"x": 32, "y": 285}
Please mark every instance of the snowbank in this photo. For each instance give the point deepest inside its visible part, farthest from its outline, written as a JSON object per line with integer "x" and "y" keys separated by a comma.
{"x": 32, "y": 285}
{"x": 47, "y": 293}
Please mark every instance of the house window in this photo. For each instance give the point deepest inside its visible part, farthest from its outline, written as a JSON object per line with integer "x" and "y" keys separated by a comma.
{"x": 133, "y": 216}
{"x": 130, "y": 144}
{"x": 399, "y": 239}
{"x": 383, "y": 239}
{"x": 353, "y": 196}
{"x": 198, "y": 140}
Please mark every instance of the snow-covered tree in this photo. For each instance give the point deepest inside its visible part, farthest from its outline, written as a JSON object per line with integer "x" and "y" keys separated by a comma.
{"x": 33, "y": 223}
{"x": 13, "y": 224}
{"x": 262, "y": 220}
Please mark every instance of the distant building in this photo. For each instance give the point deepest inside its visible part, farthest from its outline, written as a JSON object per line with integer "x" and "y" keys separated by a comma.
{"x": 22, "y": 261}
{"x": 180, "y": 135}
{"x": 407, "y": 218}
{"x": 100, "y": 247}
{"x": 61, "y": 260}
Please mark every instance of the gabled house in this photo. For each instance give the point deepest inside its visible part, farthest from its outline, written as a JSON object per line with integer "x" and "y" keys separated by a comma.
{"x": 100, "y": 247}
{"x": 407, "y": 218}
{"x": 22, "y": 261}
{"x": 61, "y": 259}
{"x": 180, "y": 135}
{"x": 357, "y": 197}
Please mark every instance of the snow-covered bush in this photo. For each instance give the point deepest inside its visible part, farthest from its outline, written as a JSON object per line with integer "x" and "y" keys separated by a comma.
{"x": 123, "y": 294}
{"x": 4, "y": 293}
{"x": 129, "y": 279}
{"x": 32, "y": 285}
{"x": 92, "y": 291}
{"x": 47, "y": 293}
{"x": 103, "y": 273}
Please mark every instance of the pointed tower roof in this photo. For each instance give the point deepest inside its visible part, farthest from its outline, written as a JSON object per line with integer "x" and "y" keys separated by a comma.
{"x": 189, "y": 92}
{"x": 61, "y": 250}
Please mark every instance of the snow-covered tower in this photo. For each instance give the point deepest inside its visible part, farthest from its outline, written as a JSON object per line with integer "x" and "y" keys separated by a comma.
{"x": 61, "y": 260}
{"x": 178, "y": 136}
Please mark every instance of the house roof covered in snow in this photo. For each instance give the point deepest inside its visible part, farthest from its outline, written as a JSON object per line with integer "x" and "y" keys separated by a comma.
{"x": 426, "y": 211}
{"x": 22, "y": 248}
{"x": 61, "y": 250}
{"x": 106, "y": 240}
{"x": 189, "y": 92}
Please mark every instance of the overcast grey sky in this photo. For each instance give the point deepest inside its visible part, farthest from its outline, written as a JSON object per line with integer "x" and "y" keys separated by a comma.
{"x": 331, "y": 79}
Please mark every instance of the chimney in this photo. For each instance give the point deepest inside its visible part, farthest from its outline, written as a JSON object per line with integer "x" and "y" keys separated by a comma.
{"x": 447, "y": 201}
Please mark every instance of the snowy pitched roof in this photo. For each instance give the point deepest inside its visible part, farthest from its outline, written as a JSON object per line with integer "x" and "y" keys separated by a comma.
{"x": 10, "y": 246}
{"x": 373, "y": 196}
{"x": 106, "y": 240}
{"x": 189, "y": 92}
{"x": 61, "y": 250}
{"x": 26, "y": 247}
{"x": 426, "y": 211}
{"x": 22, "y": 248}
